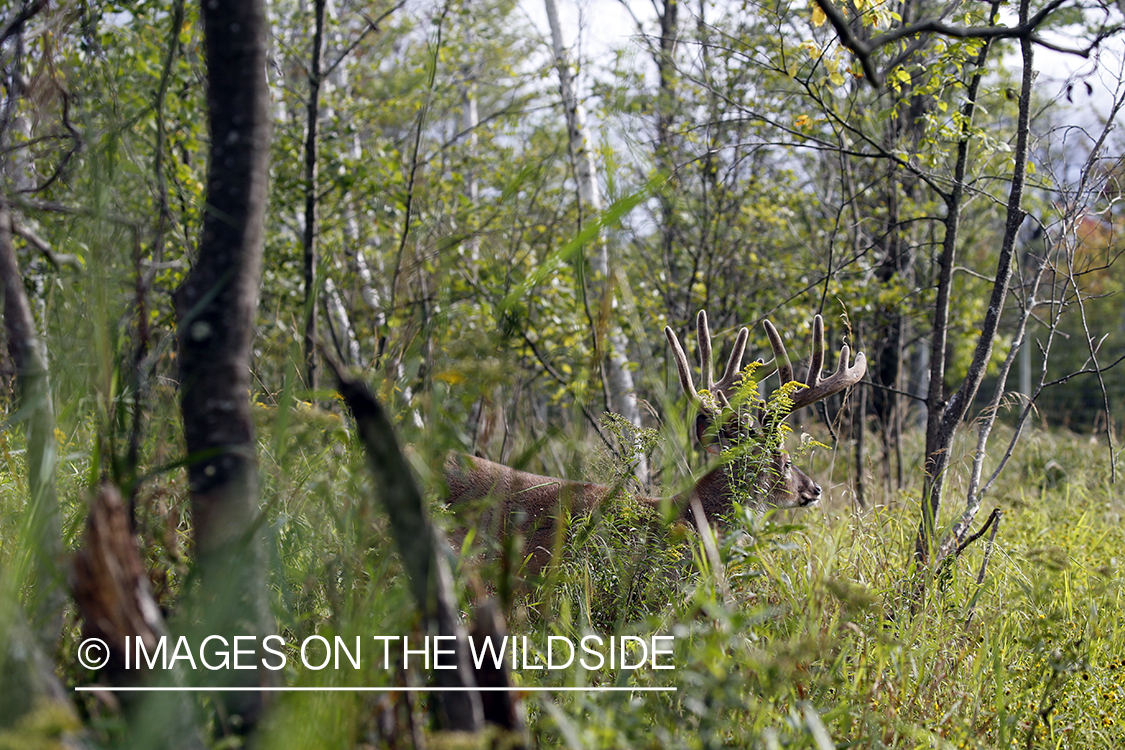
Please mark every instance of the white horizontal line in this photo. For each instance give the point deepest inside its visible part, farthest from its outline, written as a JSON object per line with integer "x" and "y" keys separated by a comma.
{"x": 272, "y": 689}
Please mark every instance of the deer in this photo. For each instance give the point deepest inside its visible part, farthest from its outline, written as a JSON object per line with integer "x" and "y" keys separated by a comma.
{"x": 531, "y": 504}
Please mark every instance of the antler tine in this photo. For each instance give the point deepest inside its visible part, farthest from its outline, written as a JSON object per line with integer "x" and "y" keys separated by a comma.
{"x": 817, "y": 361}
{"x": 704, "y": 333}
{"x": 731, "y": 374}
{"x": 733, "y": 369}
{"x": 784, "y": 368}
{"x": 682, "y": 366}
{"x": 817, "y": 389}
{"x": 843, "y": 378}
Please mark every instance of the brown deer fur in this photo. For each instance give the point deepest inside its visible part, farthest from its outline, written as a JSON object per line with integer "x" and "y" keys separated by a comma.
{"x": 530, "y": 504}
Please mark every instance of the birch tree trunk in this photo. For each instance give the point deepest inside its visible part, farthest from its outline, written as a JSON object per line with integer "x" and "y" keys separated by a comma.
{"x": 328, "y": 76}
{"x": 621, "y": 393}
{"x": 470, "y": 120}
{"x": 340, "y": 325}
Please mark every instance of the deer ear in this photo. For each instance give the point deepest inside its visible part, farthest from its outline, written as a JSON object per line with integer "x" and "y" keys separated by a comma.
{"x": 707, "y": 442}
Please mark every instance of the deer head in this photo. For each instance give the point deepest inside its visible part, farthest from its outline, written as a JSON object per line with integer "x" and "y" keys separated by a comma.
{"x": 530, "y": 503}
{"x": 775, "y": 482}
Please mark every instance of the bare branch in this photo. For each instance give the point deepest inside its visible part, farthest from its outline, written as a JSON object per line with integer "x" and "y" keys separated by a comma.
{"x": 936, "y": 26}
{"x": 13, "y": 27}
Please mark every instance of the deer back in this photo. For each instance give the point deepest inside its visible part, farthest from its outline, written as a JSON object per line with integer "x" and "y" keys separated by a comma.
{"x": 519, "y": 502}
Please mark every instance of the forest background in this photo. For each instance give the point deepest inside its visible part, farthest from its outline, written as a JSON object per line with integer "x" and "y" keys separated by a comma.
{"x": 490, "y": 230}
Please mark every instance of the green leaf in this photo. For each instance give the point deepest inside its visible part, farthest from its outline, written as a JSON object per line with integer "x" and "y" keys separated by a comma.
{"x": 607, "y": 218}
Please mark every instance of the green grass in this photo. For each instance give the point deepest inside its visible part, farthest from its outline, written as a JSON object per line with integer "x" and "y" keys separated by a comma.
{"x": 808, "y": 626}
{"x": 819, "y": 626}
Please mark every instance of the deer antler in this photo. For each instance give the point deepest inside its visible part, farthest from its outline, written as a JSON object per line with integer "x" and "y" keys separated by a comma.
{"x": 720, "y": 390}
{"x": 817, "y": 389}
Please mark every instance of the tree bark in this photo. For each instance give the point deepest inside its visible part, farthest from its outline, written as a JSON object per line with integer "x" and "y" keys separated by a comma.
{"x": 112, "y": 591}
{"x": 309, "y": 240}
{"x": 216, "y": 307}
{"x": 42, "y": 527}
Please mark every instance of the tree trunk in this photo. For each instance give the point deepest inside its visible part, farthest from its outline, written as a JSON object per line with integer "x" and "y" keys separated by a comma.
{"x": 41, "y": 526}
{"x": 944, "y": 416}
{"x": 339, "y": 325}
{"x": 470, "y": 120}
{"x": 960, "y": 402}
{"x": 665, "y": 60}
{"x": 621, "y": 392}
{"x": 216, "y": 307}
{"x": 112, "y": 592}
{"x": 309, "y": 238}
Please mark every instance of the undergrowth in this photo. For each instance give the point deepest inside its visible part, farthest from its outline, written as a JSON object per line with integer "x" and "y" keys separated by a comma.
{"x": 810, "y": 628}
{"x": 814, "y": 628}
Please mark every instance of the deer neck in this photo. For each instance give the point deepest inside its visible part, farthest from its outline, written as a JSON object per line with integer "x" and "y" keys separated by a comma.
{"x": 713, "y": 491}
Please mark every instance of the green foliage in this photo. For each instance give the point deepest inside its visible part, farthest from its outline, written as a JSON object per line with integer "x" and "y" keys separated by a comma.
{"x": 43, "y": 728}
{"x": 620, "y": 558}
{"x": 726, "y": 190}
{"x": 818, "y": 629}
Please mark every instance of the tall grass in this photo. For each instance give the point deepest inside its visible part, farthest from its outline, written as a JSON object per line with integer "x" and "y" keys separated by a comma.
{"x": 821, "y": 627}
{"x": 809, "y": 629}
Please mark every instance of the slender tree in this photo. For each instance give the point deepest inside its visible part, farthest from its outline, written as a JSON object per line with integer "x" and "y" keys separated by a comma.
{"x": 309, "y": 237}
{"x": 945, "y": 411}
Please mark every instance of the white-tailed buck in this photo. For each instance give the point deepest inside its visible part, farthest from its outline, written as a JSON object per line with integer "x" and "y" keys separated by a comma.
{"x": 529, "y": 504}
